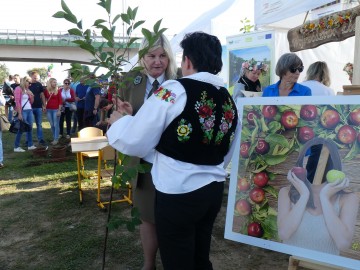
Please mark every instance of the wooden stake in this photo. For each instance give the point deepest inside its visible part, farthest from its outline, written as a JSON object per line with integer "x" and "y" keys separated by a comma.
{"x": 356, "y": 70}
{"x": 324, "y": 156}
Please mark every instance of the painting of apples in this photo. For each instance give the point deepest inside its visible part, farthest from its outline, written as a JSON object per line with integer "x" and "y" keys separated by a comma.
{"x": 272, "y": 135}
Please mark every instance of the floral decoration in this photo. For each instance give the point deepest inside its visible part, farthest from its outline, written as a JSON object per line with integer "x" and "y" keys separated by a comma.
{"x": 348, "y": 68}
{"x": 226, "y": 121}
{"x": 332, "y": 21}
{"x": 183, "y": 130}
{"x": 254, "y": 65}
{"x": 205, "y": 109}
{"x": 165, "y": 94}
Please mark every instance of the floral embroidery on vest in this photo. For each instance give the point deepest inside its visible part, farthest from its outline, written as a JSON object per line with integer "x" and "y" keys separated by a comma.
{"x": 205, "y": 109}
{"x": 226, "y": 121}
{"x": 183, "y": 130}
{"x": 165, "y": 94}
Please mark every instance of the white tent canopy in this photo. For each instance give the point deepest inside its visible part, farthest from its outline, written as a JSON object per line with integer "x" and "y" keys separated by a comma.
{"x": 335, "y": 54}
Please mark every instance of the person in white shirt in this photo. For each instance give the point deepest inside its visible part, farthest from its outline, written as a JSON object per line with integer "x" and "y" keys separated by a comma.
{"x": 192, "y": 124}
{"x": 318, "y": 79}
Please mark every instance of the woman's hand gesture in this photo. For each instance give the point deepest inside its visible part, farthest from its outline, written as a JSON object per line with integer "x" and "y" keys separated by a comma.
{"x": 298, "y": 184}
{"x": 332, "y": 188}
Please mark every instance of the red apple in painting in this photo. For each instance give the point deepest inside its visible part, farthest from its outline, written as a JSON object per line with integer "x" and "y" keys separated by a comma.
{"x": 262, "y": 147}
{"x": 250, "y": 117}
{"x": 243, "y": 207}
{"x": 289, "y": 119}
{"x": 308, "y": 112}
{"x": 244, "y": 149}
{"x": 269, "y": 111}
{"x": 300, "y": 172}
{"x": 305, "y": 134}
{"x": 255, "y": 229}
{"x": 243, "y": 184}
{"x": 346, "y": 134}
{"x": 354, "y": 117}
{"x": 257, "y": 195}
{"x": 261, "y": 179}
{"x": 329, "y": 119}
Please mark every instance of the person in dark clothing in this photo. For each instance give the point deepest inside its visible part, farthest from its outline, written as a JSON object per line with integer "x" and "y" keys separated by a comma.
{"x": 39, "y": 105}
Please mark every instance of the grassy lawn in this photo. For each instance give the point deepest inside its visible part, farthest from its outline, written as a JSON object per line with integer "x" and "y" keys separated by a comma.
{"x": 43, "y": 225}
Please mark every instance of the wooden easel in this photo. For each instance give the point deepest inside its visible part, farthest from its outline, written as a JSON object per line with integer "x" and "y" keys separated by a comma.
{"x": 295, "y": 261}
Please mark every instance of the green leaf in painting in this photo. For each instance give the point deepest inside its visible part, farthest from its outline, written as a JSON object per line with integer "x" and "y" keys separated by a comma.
{"x": 277, "y": 139}
{"x": 274, "y": 160}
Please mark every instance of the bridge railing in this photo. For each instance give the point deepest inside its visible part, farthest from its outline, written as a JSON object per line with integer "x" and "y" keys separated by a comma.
{"x": 14, "y": 34}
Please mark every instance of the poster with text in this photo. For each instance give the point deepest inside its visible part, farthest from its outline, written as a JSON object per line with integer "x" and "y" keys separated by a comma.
{"x": 255, "y": 46}
{"x": 295, "y": 184}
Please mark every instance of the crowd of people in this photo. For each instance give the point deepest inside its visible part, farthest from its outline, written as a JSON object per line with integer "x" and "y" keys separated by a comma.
{"x": 28, "y": 99}
{"x": 193, "y": 122}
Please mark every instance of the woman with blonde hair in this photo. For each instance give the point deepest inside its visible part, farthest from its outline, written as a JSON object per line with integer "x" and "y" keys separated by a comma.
{"x": 53, "y": 107}
{"x": 23, "y": 100}
{"x": 318, "y": 79}
{"x": 158, "y": 65}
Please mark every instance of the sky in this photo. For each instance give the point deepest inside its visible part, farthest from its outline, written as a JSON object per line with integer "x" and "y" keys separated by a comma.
{"x": 175, "y": 15}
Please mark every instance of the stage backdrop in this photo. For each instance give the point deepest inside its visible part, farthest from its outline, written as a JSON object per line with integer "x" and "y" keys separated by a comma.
{"x": 274, "y": 131}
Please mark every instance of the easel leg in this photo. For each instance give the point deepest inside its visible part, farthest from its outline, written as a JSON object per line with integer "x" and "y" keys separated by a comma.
{"x": 293, "y": 263}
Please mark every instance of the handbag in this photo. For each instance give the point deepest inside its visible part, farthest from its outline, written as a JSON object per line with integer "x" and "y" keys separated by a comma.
{"x": 19, "y": 125}
{"x": 4, "y": 123}
{"x": 72, "y": 106}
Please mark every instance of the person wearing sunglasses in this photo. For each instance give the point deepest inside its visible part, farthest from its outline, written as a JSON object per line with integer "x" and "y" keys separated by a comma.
{"x": 288, "y": 68}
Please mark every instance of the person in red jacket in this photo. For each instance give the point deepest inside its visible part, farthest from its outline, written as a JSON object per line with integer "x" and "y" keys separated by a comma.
{"x": 53, "y": 107}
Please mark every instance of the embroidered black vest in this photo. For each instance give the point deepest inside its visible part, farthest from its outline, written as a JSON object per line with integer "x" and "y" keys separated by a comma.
{"x": 202, "y": 133}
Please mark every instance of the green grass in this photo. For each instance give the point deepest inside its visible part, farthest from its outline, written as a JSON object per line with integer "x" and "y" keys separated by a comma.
{"x": 43, "y": 225}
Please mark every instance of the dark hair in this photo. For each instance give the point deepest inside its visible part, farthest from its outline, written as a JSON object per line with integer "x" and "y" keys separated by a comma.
{"x": 204, "y": 52}
{"x": 334, "y": 162}
{"x": 67, "y": 80}
{"x": 103, "y": 103}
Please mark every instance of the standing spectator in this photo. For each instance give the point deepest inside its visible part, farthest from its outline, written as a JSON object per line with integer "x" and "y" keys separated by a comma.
{"x": 68, "y": 96}
{"x": 16, "y": 83}
{"x": 53, "y": 108}
{"x": 318, "y": 79}
{"x": 73, "y": 86}
{"x": 23, "y": 99}
{"x": 8, "y": 91}
{"x": 158, "y": 65}
{"x": 191, "y": 123}
{"x": 80, "y": 94}
{"x": 92, "y": 100}
{"x": 288, "y": 68}
{"x": 2, "y": 103}
{"x": 38, "y": 107}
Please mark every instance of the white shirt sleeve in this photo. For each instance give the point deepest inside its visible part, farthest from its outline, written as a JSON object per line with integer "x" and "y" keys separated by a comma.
{"x": 138, "y": 135}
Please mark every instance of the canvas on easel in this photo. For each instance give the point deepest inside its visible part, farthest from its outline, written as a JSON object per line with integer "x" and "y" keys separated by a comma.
{"x": 274, "y": 134}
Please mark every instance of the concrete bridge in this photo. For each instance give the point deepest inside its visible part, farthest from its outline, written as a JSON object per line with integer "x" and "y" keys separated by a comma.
{"x": 50, "y": 46}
